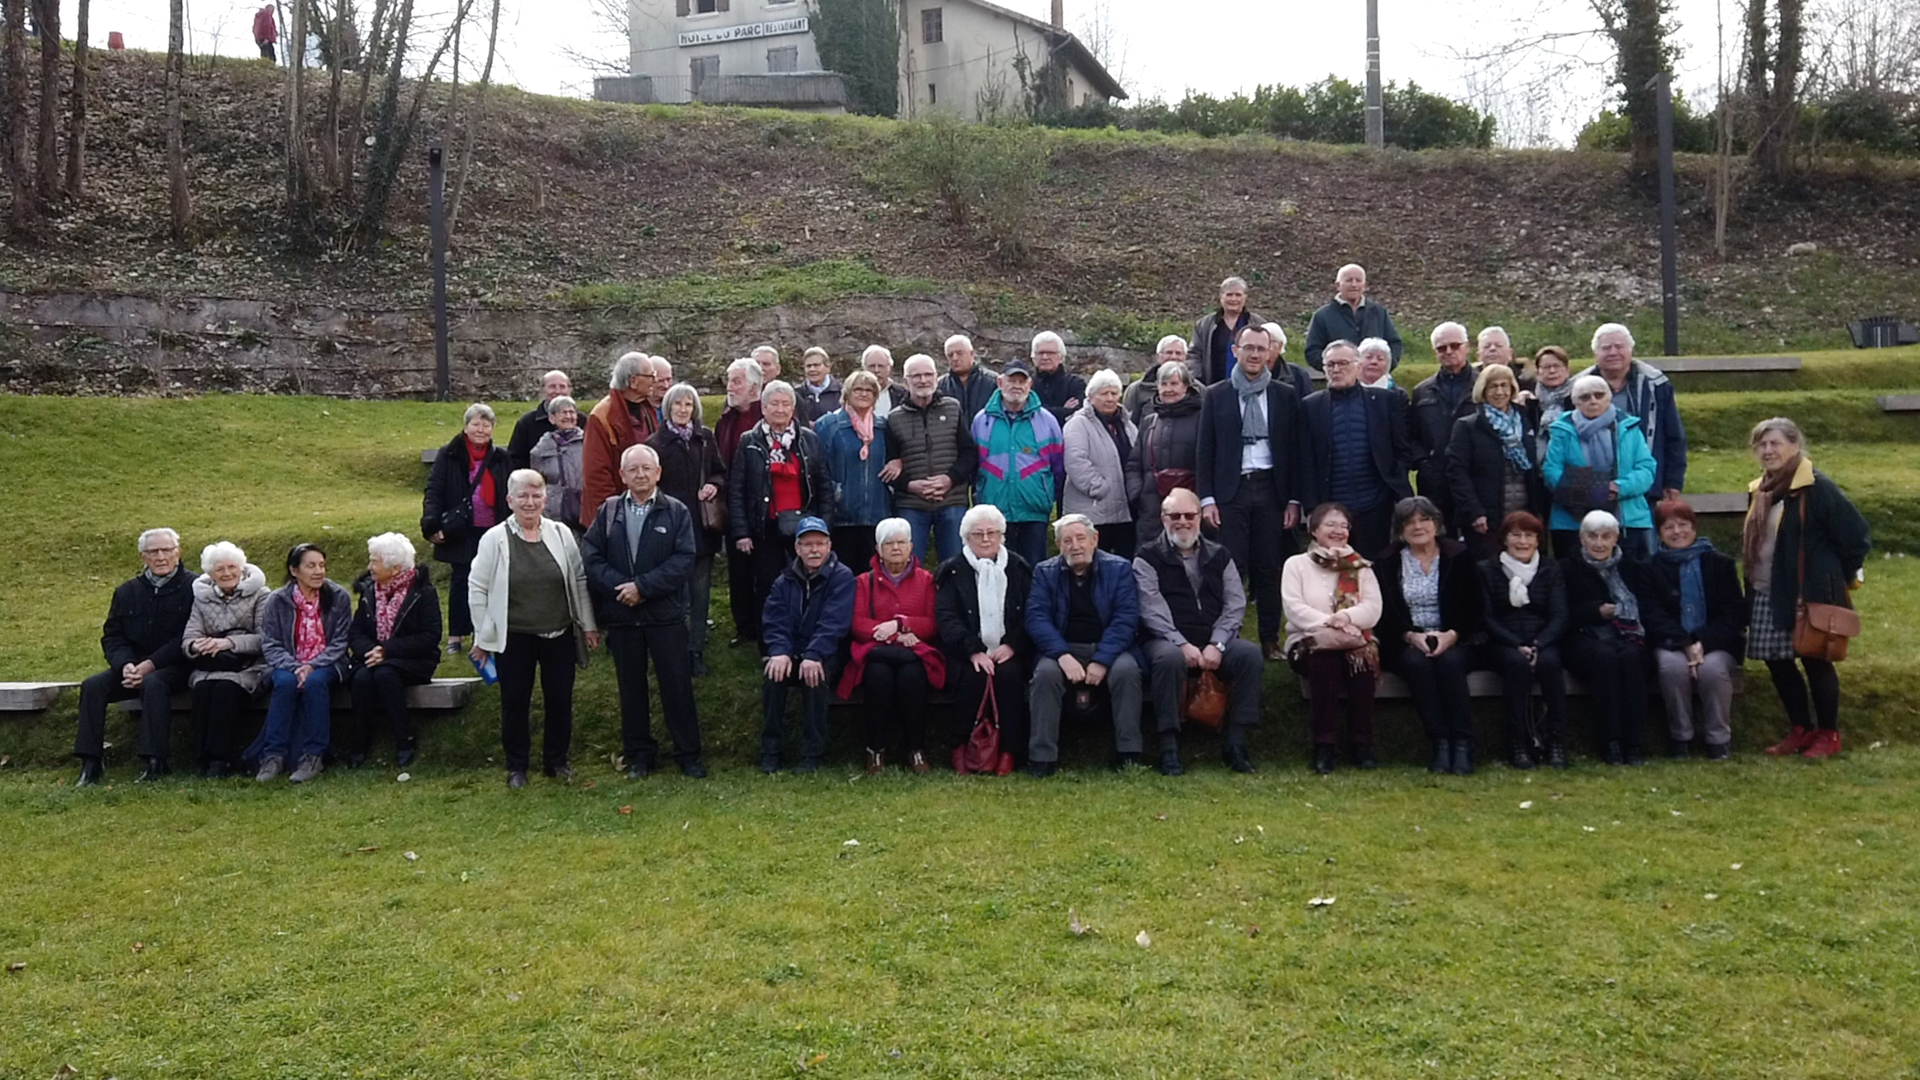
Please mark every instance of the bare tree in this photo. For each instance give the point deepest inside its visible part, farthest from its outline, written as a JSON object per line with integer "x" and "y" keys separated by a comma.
{"x": 47, "y": 174}
{"x": 1104, "y": 40}
{"x": 605, "y": 25}
{"x": 1773, "y": 82}
{"x": 1871, "y": 45}
{"x": 392, "y": 132}
{"x": 478, "y": 115}
{"x": 181, "y": 203}
{"x": 300, "y": 209}
{"x": 77, "y": 109}
{"x": 14, "y": 123}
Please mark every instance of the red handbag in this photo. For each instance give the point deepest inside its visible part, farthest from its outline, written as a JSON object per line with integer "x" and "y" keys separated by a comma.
{"x": 981, "y": 754}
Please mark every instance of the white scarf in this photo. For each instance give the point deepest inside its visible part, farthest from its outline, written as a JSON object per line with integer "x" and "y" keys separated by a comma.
{"x": 990, "y": 575}
{"x": 1519, "y": 576}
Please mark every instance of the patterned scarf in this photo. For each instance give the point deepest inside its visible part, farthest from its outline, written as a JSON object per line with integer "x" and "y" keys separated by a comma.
{"x": 1347, "y": 564}
{"x": 309, "y": 631}
{"x": 1253, "y": 419}
{"x": 1773, "y": 487}
{"x": 387, "y": 597}
{"x": 1506, "y": 424}
{"x": 683, "y": 432}
{"x": 779, "y": 443}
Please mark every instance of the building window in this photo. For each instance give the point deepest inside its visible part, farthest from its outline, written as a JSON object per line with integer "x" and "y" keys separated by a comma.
{"x": 933, "y": 94}
{"x": 931, "y": 31}
{"x": 780, "y": 61}
{"x": 684, "y": 8}
{"x": 705, "y": 68}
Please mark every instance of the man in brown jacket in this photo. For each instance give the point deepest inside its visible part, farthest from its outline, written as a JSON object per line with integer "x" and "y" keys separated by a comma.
{"x": 625, "y": 417}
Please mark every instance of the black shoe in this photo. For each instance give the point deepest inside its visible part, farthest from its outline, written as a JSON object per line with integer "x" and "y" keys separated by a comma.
{"x": 770, "y": 763}
{"x": 1719, "y": 751}
{"x": 693, "y": 770}
{"x": 1442, "y": 757}
{"x": 156, "y": 768}
{"x": 91, "y": 772}
{"x": 699, "y": 666}
{"x": 217, "y": 770}
{"x": 808, "y": 766}
{"x": 1614, "y": 755}
{"x": 1557, "y": 754}
{"x": 1323, "y": 760}
{"x": 1363, "y": 757}
{"x": 1122, "y": 761}
{"x": 404, "y": 756}
{"x": 558, "y": 772}
{"x": 1520, "y": 756}
{"x": 639, "y": 770}
{"x": 1463, "y": 757}
{"x": 1170, "y": 763}
{"x": 1677, "y": 749}
{"x": 1636, "y": 755}
{"x": 1040, "y": 770}
{"x": 517, "y": 779}
{"x": 1235, "y": 757}
{"x": 354, "y": 761}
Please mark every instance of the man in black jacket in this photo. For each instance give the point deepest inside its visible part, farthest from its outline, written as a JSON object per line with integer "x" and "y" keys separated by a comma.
{"x": 1354, "y": 450}
{"x": 1249, "y": 471}
{"x": 639, "y": 554}
{"x": 535, "y": 422}
{"x": 1439, "y": 400}
{"x": 1060, "y": 391}
{"x": 145, "y": 658}
{"x": 1350, "y": 316}
{"x": 966, "y": 381}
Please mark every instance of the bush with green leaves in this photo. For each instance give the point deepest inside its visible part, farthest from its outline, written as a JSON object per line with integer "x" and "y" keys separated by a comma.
{"x": 985, "y": 177}
{"x": 1329, "y": 111}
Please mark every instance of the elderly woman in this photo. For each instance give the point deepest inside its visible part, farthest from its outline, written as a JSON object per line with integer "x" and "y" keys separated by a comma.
{"x": 222, "y": 643}
{"x": 1804, "y": 542}
{"x": 980, "y": 605}
{"x": 690, "y": 471}
{"x": 1606, "y": 643}
{"x": 1283, "y": 368}
{"x": 1525, "y": 608}
{"x": 1429, "y": 619}
{"x": 853, "y": 439}
{"x": 1598, "y": 459}
{"x": 1332, "y": 601}
{"x": 779, "y": 476}
{"x": 1696, "y": 620}
{"x": 1166, "y": 453}
{"x": 1491, "y": 467}
{"x": 557, "y": 457}
{"x": 1376, "y": 364}
{"x": 466, "y": 496}
{"x": 1143, "y": 394}
{"x": 1099, "y": 442}
{"x": 395, "y": 638}
{"x": 303, "y": 634}
{"x": 896, "y": 652}
{"x": 1551, "y": 393}
{"x": 531, "y": 612}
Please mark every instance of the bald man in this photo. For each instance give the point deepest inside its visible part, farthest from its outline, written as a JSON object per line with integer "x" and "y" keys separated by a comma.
{"x": 1350, "y": 316}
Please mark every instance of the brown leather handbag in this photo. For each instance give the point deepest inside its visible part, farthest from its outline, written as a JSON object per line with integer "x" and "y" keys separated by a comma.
{"x": 1820, "y": 631}
{"x": 713, "y": 513}
{"x": 1207, "y": 701}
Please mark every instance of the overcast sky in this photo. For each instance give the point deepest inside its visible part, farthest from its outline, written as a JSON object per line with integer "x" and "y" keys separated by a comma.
{"x": 1167, "y": 46}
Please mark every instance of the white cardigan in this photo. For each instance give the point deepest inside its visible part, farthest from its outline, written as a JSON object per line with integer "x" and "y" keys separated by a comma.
{"x": 487, "y": 586}
{"x": 1306, "y": 594}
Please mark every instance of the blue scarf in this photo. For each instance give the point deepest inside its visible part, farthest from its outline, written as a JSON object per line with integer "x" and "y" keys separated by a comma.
{"x": 1506, "y": 424}
{"x": 1693, "y": 583}
{"x": 1596, "y": 436}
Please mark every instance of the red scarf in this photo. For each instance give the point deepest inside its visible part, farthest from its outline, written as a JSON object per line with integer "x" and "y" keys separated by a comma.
{"x": 309, "y": 632}
{"x": 481, "y": 476}
{"x": 386, "y": 603}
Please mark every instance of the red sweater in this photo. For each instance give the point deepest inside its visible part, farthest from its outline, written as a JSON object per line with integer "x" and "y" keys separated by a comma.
{"x": 877, "y": 600}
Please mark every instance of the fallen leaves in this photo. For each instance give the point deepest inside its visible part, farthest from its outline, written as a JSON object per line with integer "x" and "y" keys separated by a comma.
{"x": 1527, "y": 805}
{"x": 627, "y": 810}
{"x": 807, "y": 1063}
{"x": 17, "y": 966}
{"x": 139, "y": 946}
{"x": 410, "y": 857}
{"x": 369, "y": 849}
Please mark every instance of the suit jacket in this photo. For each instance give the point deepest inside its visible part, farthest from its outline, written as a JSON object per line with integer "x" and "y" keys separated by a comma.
{"x": 660, "y": 572}
{"x": 1218, "y": 459}
{"x": 1387, "y": 434}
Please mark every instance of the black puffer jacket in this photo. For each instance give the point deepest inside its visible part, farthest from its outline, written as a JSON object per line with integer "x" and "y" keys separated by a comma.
{"x": 750, "y": 486}
{"x": 414, "y": 645}
{"x": 1544, "y": 618}
{"x": 449, "y": 488}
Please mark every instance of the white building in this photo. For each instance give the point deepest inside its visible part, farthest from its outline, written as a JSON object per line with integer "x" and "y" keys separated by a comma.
{"x": 966, "y": 57}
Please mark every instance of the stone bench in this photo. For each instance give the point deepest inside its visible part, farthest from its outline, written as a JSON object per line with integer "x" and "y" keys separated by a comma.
{"x": 1716, "y": 364}
{"x": 1717, "y": 502}
{"x": 1899, "y": 402}
{"x": 1488, "y": 684}
{"x": 30, "y": 696}
{"x": 427, "y": 455}
{"x": 438, "y": 695}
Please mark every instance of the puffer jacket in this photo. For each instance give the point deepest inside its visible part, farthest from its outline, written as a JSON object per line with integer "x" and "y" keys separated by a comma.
{"x": 557, "y": 457}
{"x": 1633, "y": 469}
{"x": 234, "y": 616}
{"x": 1169, "y": 439}
{"x": 1098, "y": 484}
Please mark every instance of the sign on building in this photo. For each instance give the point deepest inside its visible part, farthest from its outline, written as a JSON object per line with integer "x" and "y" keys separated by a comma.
{"x": 745, "y": 32}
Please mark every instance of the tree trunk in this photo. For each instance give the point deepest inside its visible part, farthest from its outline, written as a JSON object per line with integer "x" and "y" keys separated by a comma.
{"x": 1785, "y": 102}
{"x": 77, "y": 114}
{"x": 392, "y": 134}
{"x": 1639, "y": 34}
{"x": 13, "y": 119}
{"x": 474, "y": 122}
{"x": 1757, "y": 54}
{"x": 299, "y": 187}
{"x": 47, "y": 174}
{"x": 372, "y": 57}
{"x": 181, "y": 203}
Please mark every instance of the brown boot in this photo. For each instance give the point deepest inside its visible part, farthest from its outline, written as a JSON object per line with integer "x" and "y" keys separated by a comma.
{"x": 917, "y": 761}
{"x": 876, "y": 763}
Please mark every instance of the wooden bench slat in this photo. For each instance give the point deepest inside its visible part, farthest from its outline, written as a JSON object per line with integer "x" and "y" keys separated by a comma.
{"x": 1684, "y": 364}
{"x": 427, "y": 456}
{"x": 31, "y": 696}
{"x": 440, "y": 694}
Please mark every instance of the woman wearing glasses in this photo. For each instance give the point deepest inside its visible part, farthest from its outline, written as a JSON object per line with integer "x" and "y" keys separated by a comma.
{"x": 1598, "y": 459}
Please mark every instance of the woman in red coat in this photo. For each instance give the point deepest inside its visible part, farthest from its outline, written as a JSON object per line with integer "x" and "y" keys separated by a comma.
{"x": 896, "y": 651}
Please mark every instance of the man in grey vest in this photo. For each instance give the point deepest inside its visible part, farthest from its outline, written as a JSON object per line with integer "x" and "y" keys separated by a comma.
{"x": 928, "y": 433}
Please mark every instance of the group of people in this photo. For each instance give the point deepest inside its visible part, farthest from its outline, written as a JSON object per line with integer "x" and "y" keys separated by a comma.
{"x": 891, "y": 540}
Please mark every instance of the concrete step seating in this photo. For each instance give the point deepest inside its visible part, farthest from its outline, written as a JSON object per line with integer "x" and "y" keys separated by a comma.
{"x": 1488, "y": 684}
{"x": 438, "y": 695}
{"x": 31, "y": 696}
{"x": 1717, "y": 364}
{"x": 1899, "y": 403}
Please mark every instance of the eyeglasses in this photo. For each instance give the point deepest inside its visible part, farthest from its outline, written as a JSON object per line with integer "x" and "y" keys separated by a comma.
{"x": 983, "y": 534}
{"x": 1338, "y": 365}
{"x": 1179, "y": 515}
{"x": 1449, "y": 346}
{"x": 160, "y": 551}
{"x": 1592, "y": 395}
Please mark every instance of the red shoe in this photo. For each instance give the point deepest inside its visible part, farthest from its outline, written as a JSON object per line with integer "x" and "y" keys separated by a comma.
{"x": 1825, "y": 745}
{"x": 1005, "y": 766}
{"x": 960, "y": 760}
{"x": 1796, "y": 741}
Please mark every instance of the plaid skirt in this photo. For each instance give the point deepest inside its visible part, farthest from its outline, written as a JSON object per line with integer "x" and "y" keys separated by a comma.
{"x": 1764, "y": 640}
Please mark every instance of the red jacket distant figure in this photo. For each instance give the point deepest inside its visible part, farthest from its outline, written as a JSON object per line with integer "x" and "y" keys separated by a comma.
{"x": 266, "y": 31}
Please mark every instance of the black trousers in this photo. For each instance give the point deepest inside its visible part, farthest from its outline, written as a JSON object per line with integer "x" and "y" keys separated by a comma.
{"x": 1119, "y": 538}
{"x": 746, "y": 615}
{"x": 553, "y": 659}
{"x": 1517, "y": 679}
{"x": 854, "y": 544}
{"x": 1371, "y": 530}
{"x": 895, "y": 685}
{"x": 1250, "y": 527}
{"x": 772, "y": 554}
{"x": 1439, "y": 688}
{"x": 666, "y": 645}
{"x": 381, "y": 687}
{"x": 459, "y": 606}
{"x": 156, "y": 709}
{"x": 1615, "y": 671}
{"x": 1009, "y": 693}
{"x": 219, "y": 708}
{"x": 1824, "y": 682}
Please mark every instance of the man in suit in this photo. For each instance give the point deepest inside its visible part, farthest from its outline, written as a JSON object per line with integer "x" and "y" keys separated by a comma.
{"x": 1249, "y": 471}
{"x": 1355, "y": 449}
{"x": 1439, "y": 400}
{"x": 639, "y": 554}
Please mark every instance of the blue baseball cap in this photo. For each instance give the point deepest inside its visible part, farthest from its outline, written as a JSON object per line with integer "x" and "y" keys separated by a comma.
{"x": 811, "y": 524}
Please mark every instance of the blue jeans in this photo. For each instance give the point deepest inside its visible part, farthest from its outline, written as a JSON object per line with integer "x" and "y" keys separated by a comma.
{"x": 943, "y": 524}
{"x": 299, "y": 719}
{"x": 1028, "y": 539}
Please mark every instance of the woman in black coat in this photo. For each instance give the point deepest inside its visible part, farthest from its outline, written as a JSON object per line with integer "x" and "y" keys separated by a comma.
{"x": 1525, "y": 616}
{"x": 1696, "y": 620}
{"x": 1167, "y": 450}
{"x": 1429, "y": 619}
{"x": 779, "y": 475}
{"x": 690, "y": 471}
{"x": 973, "y": 661}
{"x": 1606, "y": 641}
{"x": 466, "y": 496}
{"x": 1492, "y": 467}
{"x": 393, "y": 594}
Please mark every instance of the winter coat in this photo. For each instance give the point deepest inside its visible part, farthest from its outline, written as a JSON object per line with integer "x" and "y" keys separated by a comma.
{"x": 813, "y": 403}
{"x": 932, "y": 441}
{"x": 1169, "y": 438}
{"x": 527, "y": 432}
{"x": 1307, "y": 592}
{"x": 1022, "y": 460}
{"x": 860, "y": 497}
{"x": 1726, "y": 627}
{"x": 660, "y": 571}
{"x": 1477, "y": 470}
{"x": 1587, "y": 590}
{"x": 876, "y": 600}
{"x": 1650, "y": 391}
{"x": 610, "y": 428}
{"x": 144, "y": 623}
{"x": 487, "y": 586}
{"x": 557, "y": 457}
{"x": 448, "y": 488}
{"x": 1633, "y": 470}
{"x": 972, "y": 392}
{"x": 277, "y": 616}
{"x": 750, "y": 484}
{"x": 808, "y": 616}
{"x": 1387, "y": 431}
{"x": 1207, "y": 365}
{"x": 1541, "y": 621}
{"x": 1460, "y": 607}
{"x": 956, "y": 608}
{"x": 413, "y": 649}
{"x": 1836, "y": 539}
{"x": 733, "y": 425}
{"x": 1115, "y": 597}
{"x": 685, "y": 468}
{"x": 234, "y": 616}
{"x": 1335, "y": 321}
{"x": 1098, "y": 484}
{"x": 1061, "y": 393}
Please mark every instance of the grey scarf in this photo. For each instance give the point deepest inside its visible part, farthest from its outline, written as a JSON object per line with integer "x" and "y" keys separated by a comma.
{"x": 1253, "y": 419}
{"x": 1626, "y": 607}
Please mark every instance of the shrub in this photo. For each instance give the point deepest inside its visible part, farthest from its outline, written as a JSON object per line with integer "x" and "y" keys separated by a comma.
{"x": 981, "y": 176}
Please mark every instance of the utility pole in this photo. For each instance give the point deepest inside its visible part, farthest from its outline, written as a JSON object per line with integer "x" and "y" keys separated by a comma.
{"x": 1376, "y": 114}
{"x": 437, "y": 225}
{"x": 1662, "y": 88}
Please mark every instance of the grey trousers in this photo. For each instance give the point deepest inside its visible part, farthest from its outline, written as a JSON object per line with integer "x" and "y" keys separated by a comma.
{"x": 1050, "y": 684}
{"x": 1240, "y": 667}
{"x": 1715, "y": 686}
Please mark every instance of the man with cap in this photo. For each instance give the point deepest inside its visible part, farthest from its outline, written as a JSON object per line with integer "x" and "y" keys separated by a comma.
{"x": 805, "y": 625}
{"x": 1022, "y": 460}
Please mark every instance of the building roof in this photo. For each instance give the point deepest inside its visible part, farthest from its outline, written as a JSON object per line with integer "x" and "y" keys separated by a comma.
{"x": 1063, "y": 41}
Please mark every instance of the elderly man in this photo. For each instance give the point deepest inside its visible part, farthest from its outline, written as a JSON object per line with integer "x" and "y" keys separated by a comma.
{"x": 662, "y": 382}
{"x": 623, "y": 418}
{"x": 146, "y": 659}
{"x": 639, "y": 556}
{"x": 1355, "y": 449}
{"x": 808, "y": 617}
{"x": 1643, "y": 391}
{"x": 1439, "y": 400}
{"x": 1144, "y": 393}
{"x": 877, "y": 361}
{"x": 535, "y": 422}
{"x": 1248, "y": 472}
{"x": 1060, "y": 391}
{"x": 1022, "y": 455}
{"x": 1191, "y": 607}
{"x": 1351, "y": 317}
{"x": 1082, "y": 615}
{"x": 966, "y": 382}
{"x": 741, "y": 415}
{"x": 768, "y": 358}
{"x": 937, "y": 461}
{"x": 819, "y": 392}
{"x": 1210, "y": 355}
{"x": 1493, "y": 346}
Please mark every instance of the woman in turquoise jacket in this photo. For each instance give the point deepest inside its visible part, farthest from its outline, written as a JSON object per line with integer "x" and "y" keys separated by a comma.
{"x": 1594, "y": 434}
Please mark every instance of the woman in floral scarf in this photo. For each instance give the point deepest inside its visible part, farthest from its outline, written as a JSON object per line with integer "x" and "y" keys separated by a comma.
{"x": 1332, "y": 602}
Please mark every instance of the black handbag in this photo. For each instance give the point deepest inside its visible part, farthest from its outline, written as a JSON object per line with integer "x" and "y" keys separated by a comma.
{"x": 457, "y": 520}
{"x": 789, "y": 521}
{"x": 1583, "y": 489}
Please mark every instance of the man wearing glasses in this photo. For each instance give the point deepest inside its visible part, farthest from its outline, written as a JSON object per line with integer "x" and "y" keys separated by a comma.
{"x": 142, "y": 642}
{"x": 625, "y": 417}
{"x": 1438, "y": 401}
{"x": 1355, "y": 449}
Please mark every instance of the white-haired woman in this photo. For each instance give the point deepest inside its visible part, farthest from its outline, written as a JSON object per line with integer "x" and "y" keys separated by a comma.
{"x": 303, "y": 633}
{"x": 1598, "y": 459}
{"x": 222, "y": 642}
{"x": 896, "y": 652}
{"x": 690, "y": 470}
{"x": 1167, "y": 451}
{"x": 1606, "y": 643}
{"x": 1099, "y": 441}
{"x": 980, "y": 606}
{"x": 1143, "y": 394}
{"x": 1376, "y": 363}
{"x": 529, "y": 597}
{"x": 395, "y": 638}
{"x": 557, "y": 456}
{"x": 779, "y": 476}
{"x": 466, "y": 496}
{"x": 1281, "y": 367}
{"x": 853, "y": 440}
